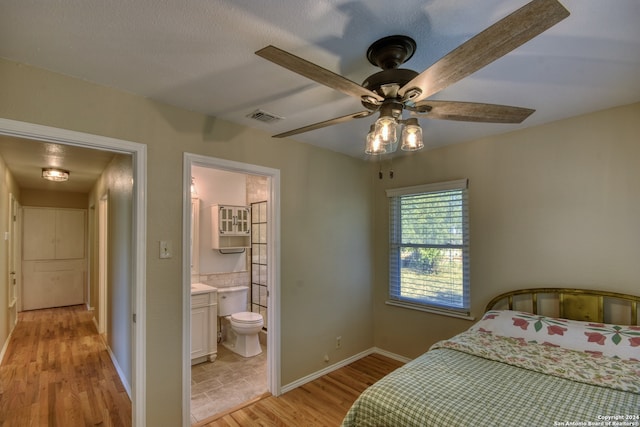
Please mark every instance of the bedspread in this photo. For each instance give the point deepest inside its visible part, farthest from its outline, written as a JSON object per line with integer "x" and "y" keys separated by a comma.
{"x": 451, "y": 386}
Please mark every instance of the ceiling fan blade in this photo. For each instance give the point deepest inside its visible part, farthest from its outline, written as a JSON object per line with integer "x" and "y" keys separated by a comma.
{"x": 326, "y": 123}
{"x": 496, "y": 41}
{"x": 474, "y": 112}
{"x": 316, "y": 73}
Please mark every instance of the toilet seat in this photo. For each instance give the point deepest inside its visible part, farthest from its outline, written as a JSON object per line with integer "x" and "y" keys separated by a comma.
{"x": 247, "y": 317}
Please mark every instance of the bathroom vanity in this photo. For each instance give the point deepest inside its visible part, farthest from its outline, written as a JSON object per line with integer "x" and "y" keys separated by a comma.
{"x": 204, "y": 316}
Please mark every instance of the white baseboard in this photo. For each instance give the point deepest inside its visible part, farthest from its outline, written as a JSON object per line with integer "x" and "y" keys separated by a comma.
{"x": 112, "y": 356}
{"x": 391, "y": 355}
{"x": 6, "y": 345}
{"x": 341, "y": 364}
{"x": 125, "y": 383}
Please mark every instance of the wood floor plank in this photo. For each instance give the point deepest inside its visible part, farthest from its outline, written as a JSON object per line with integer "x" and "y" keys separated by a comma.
{"x": 57, "y": 372}
{"x": 322, "y": 402}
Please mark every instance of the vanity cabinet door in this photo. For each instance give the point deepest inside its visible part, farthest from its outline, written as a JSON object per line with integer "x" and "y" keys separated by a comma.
{"x": 199, "y": 331}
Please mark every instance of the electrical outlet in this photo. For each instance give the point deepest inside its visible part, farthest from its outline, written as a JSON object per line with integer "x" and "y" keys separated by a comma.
{"x": 338, "y": 342}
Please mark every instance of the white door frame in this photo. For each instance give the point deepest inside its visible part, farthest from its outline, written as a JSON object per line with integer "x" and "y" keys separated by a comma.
{"x": 138, "y": 287}
{"x": 13, "y": 268}
{"x": 103, "y": 245}
{"x": 273, "y": 268}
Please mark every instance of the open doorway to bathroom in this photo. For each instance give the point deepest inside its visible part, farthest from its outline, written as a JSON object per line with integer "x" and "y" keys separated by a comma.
{"x": 220, "y": 373}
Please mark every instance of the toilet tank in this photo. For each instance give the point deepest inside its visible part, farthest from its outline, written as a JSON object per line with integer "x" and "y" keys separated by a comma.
{"x": 232, "y": 300}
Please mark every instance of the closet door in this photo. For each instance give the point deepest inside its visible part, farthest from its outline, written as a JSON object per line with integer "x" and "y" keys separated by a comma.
{"x": 52, "y": 284}
{"x": 70, "y": 236}
{"x": 39, "y": 237}
{"x": 54, "y": 262}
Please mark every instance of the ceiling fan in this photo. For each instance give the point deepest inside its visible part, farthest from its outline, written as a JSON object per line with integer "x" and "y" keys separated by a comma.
{"x": 394, "y": 89}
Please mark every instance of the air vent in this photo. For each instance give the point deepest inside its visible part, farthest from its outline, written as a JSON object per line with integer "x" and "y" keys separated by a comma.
{"x": 263, "y": 116}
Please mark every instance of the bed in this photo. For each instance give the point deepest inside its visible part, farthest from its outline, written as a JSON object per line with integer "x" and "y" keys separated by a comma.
{"x": 538, "y": 357}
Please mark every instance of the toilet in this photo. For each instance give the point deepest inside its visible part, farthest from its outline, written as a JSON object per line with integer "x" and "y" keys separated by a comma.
{"x": 242, "y": 335}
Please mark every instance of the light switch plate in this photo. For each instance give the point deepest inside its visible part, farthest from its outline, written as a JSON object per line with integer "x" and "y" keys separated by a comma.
{"x": 166, "y": 249}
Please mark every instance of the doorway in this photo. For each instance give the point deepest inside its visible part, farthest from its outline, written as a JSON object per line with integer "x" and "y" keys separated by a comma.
{"x": 272, "y": 341}
{"x": 12, "y": 128}
{"x": 14, "y": 261}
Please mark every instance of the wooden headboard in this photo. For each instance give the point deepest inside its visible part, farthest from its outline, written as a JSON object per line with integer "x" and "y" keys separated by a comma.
{"x": 575, "y": 304}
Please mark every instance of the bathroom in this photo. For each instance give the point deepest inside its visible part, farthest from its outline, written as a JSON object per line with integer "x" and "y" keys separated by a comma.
{"x": 229, "y": 284}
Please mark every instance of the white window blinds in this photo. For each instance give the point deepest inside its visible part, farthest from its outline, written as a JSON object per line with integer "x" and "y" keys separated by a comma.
{"x": 429, "y": 246}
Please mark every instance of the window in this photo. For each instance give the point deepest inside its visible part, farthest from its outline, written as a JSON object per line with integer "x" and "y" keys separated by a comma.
{"x": 429, "y": 247}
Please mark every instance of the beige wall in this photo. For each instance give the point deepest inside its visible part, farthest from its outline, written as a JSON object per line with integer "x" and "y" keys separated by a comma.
{"x": 115, "y": 184}
{"x": 53, "y": 199}
{"x": 554, "y": 205}
{"x": 326, "y": 238}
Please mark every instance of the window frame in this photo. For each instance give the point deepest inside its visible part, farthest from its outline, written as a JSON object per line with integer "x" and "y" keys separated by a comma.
{"x": 394, "y": 286}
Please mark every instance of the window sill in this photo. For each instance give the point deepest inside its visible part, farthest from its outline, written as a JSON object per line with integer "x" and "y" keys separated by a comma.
{"x": 432, "y": 310}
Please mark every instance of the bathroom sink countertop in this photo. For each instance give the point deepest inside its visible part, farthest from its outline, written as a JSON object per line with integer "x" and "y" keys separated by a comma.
{"x": 201, "y": 288}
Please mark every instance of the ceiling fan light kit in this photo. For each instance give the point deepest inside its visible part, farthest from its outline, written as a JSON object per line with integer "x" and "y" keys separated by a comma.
{"x": 394, "y": 89}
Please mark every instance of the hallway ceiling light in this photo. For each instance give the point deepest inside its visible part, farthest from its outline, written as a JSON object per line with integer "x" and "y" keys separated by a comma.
{"x": 55, "y": 174}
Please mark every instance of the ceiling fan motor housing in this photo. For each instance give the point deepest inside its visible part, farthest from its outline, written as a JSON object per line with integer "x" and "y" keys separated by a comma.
{"x": 386, "y": 83}
{"x": 391, "y": 52}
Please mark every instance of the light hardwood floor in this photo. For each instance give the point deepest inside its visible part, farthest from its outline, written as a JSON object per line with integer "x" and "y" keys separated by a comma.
{"x": 57, "y": 372}
{"x": 322, "y": 402}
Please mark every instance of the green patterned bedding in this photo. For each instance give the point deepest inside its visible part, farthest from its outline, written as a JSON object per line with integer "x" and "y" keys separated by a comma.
{"x": 457, "y": 383}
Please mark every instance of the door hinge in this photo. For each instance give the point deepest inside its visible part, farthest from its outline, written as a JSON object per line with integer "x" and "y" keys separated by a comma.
{"x": 134, "y": 318}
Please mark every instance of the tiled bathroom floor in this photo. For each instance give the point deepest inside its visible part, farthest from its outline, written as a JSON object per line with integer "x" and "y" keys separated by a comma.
{"x": 227, "y": 382}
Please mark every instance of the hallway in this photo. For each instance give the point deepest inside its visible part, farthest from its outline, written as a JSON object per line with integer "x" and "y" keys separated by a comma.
{"x": 57, "y": 372}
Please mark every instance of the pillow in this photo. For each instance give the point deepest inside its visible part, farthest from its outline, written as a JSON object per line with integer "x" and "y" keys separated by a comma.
{"x": 596, "y": 338}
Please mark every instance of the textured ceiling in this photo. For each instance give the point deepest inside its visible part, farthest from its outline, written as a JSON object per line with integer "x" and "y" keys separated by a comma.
{"x": 199, "y": 55}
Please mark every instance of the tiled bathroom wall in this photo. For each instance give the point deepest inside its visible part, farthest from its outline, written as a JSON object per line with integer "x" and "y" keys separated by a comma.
{"x": 225, "y": 280}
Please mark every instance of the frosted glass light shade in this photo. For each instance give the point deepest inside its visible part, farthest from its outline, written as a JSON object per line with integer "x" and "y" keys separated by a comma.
{"x": 54, "y": 174}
